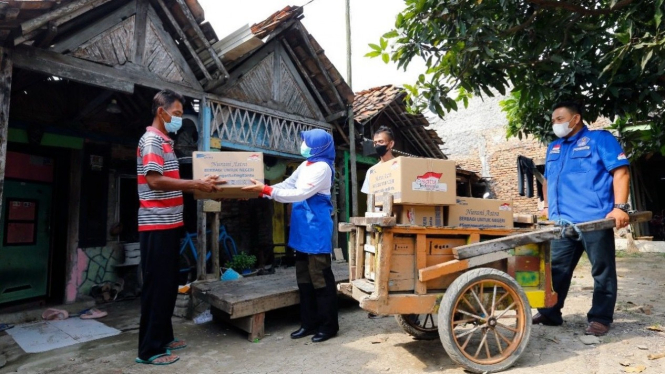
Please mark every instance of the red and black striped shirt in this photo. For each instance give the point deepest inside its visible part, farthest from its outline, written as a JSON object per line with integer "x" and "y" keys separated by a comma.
{"x": 158, "y": 210}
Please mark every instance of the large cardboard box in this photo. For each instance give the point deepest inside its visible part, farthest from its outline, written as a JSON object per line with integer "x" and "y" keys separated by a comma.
{"x": 421, "y": 215}
{"x": 236, "y": 168}
{"x": 412, "y": 180}
{"x": 481, "y": 213}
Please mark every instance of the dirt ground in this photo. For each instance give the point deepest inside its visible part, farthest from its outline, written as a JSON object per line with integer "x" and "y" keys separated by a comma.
{"x": 379, "y": 345}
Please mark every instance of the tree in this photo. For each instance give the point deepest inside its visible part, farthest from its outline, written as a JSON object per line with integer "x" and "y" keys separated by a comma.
{"x": 608, "y": 54}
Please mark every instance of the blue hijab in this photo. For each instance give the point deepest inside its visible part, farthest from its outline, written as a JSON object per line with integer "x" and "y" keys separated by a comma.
{"x": 322, "y": 145}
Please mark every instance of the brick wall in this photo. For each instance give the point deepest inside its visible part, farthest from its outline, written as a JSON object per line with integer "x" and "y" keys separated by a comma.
{"x": 476, "y": 139}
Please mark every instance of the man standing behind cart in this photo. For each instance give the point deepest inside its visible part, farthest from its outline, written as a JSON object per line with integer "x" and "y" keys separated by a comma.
{"x": 384, "y": 141}
{"x": 587, "y": 179}
{"x": 160, "y": 228}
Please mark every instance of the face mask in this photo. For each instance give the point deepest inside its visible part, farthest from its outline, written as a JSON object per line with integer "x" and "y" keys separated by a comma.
{"x": 381, "y": 150}
{"x": 305, "y": 151}
{"x": 561, "y": 129}
{"x": 174, "y": 125}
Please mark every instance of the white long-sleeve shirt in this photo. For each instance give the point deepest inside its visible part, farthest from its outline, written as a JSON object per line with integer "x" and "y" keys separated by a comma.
{"x": 308, "y": 180}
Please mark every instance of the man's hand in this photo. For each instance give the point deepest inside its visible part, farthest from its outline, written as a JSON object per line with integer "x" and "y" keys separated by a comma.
{"x": 620, "y": 217}
{"x": 208, "y": 184}
{"x": 257, "y": 187}
{"x": 544, "y": 213}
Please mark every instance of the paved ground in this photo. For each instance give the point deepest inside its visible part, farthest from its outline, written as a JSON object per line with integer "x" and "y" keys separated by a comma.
{"x": 378, "y": 345}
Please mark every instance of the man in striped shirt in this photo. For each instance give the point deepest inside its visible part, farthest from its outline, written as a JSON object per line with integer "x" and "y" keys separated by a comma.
{"x": 160, "y": 221}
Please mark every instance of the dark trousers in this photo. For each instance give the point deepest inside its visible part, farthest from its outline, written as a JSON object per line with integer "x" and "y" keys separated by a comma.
{"x": 159, "y": 263}
{"x": 565, "y": 255}
{"x": 318, "y": 292}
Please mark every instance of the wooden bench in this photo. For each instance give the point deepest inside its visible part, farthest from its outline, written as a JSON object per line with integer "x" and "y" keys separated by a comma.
{"x": 243, "y": 303}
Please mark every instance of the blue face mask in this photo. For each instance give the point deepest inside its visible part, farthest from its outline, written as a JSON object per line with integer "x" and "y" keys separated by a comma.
{"x": 305, "y": 151}
{"x": 174, "y": 125}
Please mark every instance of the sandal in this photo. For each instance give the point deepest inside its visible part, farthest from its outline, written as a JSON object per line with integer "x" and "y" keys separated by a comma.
{"x": 51, "y": 314}
{"x": 5, "y": 326}
{"x": 92, "y": 313}
{"x": 160, "y": 359}
{"x": 176, "y": 344}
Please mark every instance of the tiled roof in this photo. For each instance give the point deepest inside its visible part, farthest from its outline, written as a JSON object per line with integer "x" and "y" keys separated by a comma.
{"x": 265, "y": 27}
{"x": 369, "y": 103}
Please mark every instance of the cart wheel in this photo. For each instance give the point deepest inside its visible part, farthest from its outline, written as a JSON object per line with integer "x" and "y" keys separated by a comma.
{"x": 484, "y": 320}
{"x": 420, "y": 326}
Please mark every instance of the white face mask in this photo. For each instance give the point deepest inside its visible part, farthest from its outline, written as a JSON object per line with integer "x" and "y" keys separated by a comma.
{"x": 561, "y": 129}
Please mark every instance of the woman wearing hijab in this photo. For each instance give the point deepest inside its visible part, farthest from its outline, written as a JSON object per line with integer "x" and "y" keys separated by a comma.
{"x": 308, "y": 188}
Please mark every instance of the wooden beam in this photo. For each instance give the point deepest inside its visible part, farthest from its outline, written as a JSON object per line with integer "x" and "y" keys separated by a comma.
{"x": 199, "y": 33}
{"x": 6, "y": 68}
{"x": 184, "y": 39}
{"x": 81, "y": 71}
{"x": 93, "y": 104}
{"x": 140, "y": 30}
{"x": 120, "y": 78}
{"x": 94, "y": 29}
{"x": 336, "y": 116}
{"x": 61, "y": 11}
{"x": 45, "y": 41}
{"x": 503, "y": 244}
{"x": 175, "y": 51}
{"x": 311, "y": 103}
{"x": 316, "y": 58}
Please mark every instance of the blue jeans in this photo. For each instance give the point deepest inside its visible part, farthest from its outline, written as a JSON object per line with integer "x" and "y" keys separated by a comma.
{"x": 566, "y": 254}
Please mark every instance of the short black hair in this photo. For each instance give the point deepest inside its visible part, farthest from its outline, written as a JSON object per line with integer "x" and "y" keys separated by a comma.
{"x": 165, "y": 99}
{"x": 387, "y": 130}
{"x": 572, "y": 106}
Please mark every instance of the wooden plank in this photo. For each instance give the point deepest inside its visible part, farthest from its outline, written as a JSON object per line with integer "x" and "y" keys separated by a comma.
{"x": 360, "y": 255}
{"x": 6, "y": 68}
{"x": 140, "y": 28}
{"x": 299, "y": 26}
{"x": 415, "y": 230}
{"x": 420, "y": 288}
{"x": 346, "y": 227}
{"x": 199, "y": 33}
{"x": 185, "y": 40}
{"x": 61, "y": 11}
{"x": 78, "y": 70}
{"x": 201, "y": 243}
{"x": 453, "y": 266}
{"x": 525, "y": 218}
{"x": 258, "y": 294}
{"x": 378, "y": 221}
{"x": 254, "y": 324}
{"x": 351, "y": 244}
{"x": 295, "y": 75}
{"x": 402, "y": 304}
{"x": 383, "y": 271}
{"x": 502, "y": 244}
{"x": 173, "y": 50}
{"x": 94, "y": 29}
{"x": 214, "y": 245}
{"x": 308, "y": 79}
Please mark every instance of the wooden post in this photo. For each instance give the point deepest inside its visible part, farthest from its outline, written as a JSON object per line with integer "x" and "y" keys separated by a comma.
{"x": 421, "y": 263}
{"x": 201, "y": 224}
{"x": 140, "y": 28}
{"x": 214, "y": 245}
{"x": 384, "y": 251}
{"x": 360, "y": 253}
{"x": 351, "y": 253}
{"x": 5, "y": 94}
{"x": 354, "y": 166}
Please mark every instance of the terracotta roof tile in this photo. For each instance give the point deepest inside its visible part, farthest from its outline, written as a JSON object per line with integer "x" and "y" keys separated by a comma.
{"x": 269, "y": 25}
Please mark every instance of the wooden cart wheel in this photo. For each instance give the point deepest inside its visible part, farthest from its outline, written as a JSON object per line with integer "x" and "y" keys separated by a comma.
{"x": 420, "y": 326}
{"x": 484, "y": 320}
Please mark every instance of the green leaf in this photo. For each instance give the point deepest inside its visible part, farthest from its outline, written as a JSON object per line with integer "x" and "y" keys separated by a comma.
{"x": 384, "y": 43}
{"x": 557, "y": 58}
{"x": 375, "y": 47}
{"x": 646, "y": 59}
{"x": 385, "y": 57}
{"x": 373, "y": 54}
{"x": 658, "y": 15}
{"x": 391, "y": 34}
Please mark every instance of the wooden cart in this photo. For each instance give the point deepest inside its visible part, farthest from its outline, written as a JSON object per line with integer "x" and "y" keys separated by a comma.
{"x": 471, "y": 288}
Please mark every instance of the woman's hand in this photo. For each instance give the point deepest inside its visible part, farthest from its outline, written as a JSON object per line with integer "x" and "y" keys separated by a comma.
{"x": 257, "y": 187}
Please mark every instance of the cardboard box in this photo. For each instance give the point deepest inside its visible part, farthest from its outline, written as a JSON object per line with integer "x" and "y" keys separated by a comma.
{"x": 236, "y": 168}
{"x": 481, "y": 213}
{"x": 411, "y": 180}
{"x": 421, "y": 215}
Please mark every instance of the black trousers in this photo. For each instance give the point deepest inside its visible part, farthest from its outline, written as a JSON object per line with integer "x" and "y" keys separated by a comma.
{"x": 159, "y": 263}
{"x": 566, "y": 253}
{"x": 318, "y": 292}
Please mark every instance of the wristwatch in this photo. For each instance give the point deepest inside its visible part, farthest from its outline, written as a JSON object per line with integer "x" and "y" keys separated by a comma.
{"x": 624, "y": 207}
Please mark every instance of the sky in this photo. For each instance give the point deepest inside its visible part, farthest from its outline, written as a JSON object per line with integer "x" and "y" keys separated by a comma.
{"x": 325, "y": 20}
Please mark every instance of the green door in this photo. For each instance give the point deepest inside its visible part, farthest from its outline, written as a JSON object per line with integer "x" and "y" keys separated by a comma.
{"x": 24, "y": 240}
